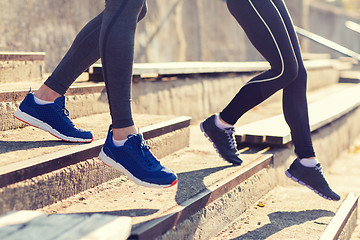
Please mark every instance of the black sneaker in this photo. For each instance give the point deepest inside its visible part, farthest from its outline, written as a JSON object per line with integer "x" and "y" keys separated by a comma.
{"x": 313, "y": 178}
{"x": 223, "y": 140}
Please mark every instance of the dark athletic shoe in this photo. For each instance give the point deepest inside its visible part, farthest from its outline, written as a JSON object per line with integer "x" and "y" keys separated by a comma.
{"x": 313, "y": 178}
{"x": 137, "y": 162}
{"x": 223, "y": 140}
{"x": 53, "y": 118}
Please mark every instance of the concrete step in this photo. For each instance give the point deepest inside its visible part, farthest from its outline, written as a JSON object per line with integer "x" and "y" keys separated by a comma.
{"x": 37, "y": 225}
{"x": 81, "y": 100}
{"x": 210, "y": 194}
{"x": 294, "y": 212}
{"x": 204, "y": 180}
{"x": 202, "y": 88}
{"x": 343, "y": 224}
{"x": 20, "y": 66}
{"x": 165, "y": 71}
{"x": 350, "y": 76}
{"x": 339, "y": 133}
{"x": 50, "y": 170}
{"x": 275, "y": 131}
{"x": 344, "y": 175}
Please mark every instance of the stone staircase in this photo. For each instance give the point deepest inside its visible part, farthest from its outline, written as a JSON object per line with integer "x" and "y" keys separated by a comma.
{"x": 69, "y": 194}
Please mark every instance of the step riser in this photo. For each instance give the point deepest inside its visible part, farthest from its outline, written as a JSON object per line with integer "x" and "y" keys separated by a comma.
{"x": 340, "y": 134}
{"x": 199, "y": 97}
{"x": 331, "y": 140}
{"x": 209, "y": 94}
{"x": 21, "y": 66}
{"x": 344, "y": 222}
{"x": 19, "y": 71}
{"x": 48, "y": 188}
{"x": 202, "y": 224}
{"x": 349, "y": 227}
{"x": 212, "y": 219}
{"x": 78, "y": 106}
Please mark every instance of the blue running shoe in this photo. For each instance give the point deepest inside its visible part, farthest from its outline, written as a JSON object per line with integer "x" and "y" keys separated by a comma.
{"x": 53, "y": 118}
{"x": 223, "y": 140}
{"x": 313, "y": 178}
{"x": 137, "y": 162}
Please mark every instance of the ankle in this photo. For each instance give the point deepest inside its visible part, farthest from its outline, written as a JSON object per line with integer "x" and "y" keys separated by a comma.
{"x": 46, "y": 94}
{"x": 309, "y": 162}
{"x": 123, "y": 133}
{"x": 221, "y": 123}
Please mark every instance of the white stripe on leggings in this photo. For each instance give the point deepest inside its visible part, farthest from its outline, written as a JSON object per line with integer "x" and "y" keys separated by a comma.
{"x": 276, "y": 44}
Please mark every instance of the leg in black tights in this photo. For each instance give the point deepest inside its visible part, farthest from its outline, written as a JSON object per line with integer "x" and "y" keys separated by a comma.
{"x": 270, "y": 29}
{"x": 85, "y": 50}
{"x": 268, "y": 25}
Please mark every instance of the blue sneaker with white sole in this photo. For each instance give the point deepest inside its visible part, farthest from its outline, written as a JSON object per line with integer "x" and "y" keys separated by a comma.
{"x": 53, "y": 118}
{"x": 137, "y": 162}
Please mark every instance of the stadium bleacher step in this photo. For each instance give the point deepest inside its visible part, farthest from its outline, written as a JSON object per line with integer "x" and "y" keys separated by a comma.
{"x": 201, "y": 87}
{"x": 351, "y": 76}
{"x": 210, "y": 194}
{"x": 294, "y": 212}
{"x": 41, "y": 171}
{"x": 275, "y": 131}
{"x": 291, "y": 211}
{"x": 21, "y": 66}
{"x": 82, "y": 99}
{"x": 204, "y": 179}
{"x": 37, "y": 225}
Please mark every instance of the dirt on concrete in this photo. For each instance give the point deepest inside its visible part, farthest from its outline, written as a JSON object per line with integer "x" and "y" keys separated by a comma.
{"x": 295, "y": 212}
{"x": 28, "y": 142}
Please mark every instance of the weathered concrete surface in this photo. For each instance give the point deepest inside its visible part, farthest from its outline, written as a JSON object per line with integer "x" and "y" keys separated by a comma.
{"x": 212, "y": 219}
{"x": 55, "y": 186}
{"x": 174, "y": 30}
{"x": 193, "y": 96}
{"x": 44, "y": 26}
{"x": 15, "y": 71}
{"x": 78, "y": 106}
{"x": 291, "y": 212}
{"x": 306, "y": 206}
{"x": 218, "y": 214}
{"x": 267, "y": 222}
{"x": 344, "y": 174}
{"x": 19, "y": 144}
{"x": 199, "y": 166}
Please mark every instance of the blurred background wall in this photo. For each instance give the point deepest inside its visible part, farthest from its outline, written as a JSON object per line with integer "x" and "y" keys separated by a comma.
{"x": 173, "y": 30}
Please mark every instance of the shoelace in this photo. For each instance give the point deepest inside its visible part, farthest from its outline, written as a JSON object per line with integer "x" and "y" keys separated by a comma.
{"x": 66, "y": 113}
{"x": 230, "y": 135}
{"x": 318, "y": 168}
{"x": 148, "y": 157}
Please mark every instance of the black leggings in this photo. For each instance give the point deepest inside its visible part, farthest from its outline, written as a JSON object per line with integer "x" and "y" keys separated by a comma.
{"x": 110, "y": 36}
{"x": 269, "y": 27}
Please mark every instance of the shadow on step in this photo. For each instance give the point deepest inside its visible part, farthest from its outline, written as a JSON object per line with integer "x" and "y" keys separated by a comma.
{"x": 11, "y": 146}
{"x": 281, "y": 220}
{"x": 124, "y": 213}
{"x": 192, "y": 182}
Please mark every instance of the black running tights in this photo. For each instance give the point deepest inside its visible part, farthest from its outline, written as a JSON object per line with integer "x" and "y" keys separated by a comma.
{"x": 109, "y": 36}
{"x": 270, "y": 29}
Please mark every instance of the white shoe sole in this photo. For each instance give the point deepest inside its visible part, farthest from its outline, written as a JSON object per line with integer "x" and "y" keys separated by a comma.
{"x": 111, "y": 163}
{"x": 30, "y": 120}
